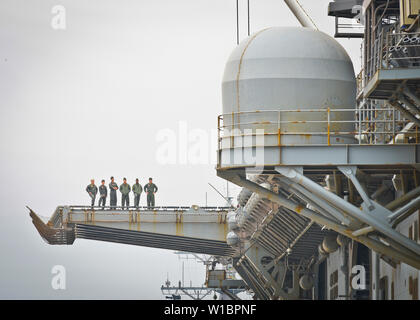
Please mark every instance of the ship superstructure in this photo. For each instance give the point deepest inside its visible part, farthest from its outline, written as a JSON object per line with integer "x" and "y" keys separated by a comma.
{"x": 328, "y": 162}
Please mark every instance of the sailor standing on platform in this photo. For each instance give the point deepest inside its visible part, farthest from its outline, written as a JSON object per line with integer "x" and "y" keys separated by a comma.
{"x": 137, "y": 190}
{"x": 150, "y": 190}
{"x": 92, "y": 190}
{"x": 103, "y": 192}
{"x": 113, "y": 187}
{"x": 125, "y": 192}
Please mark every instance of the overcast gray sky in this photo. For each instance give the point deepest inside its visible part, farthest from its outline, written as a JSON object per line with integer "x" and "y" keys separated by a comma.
{"x": 91, "y": 101}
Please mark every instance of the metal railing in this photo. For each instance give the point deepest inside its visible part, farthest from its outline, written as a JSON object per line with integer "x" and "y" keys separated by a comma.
{"x": 142, "y": 208}
{"x": 348, "y": 28}
{"x": 366, "y": 125}
{"x": 394, "y": 50}
{"x": 402, "y": 50}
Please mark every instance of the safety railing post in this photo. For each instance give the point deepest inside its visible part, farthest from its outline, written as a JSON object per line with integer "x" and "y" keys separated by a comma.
{"x": 381, "y": 51}
{"x": 279, "y": 134}
{"x": 360, "y": 124}
{"x": 366, "y": 125}
{"x": 219, "y": 142}
{"x": 328, "y": 126}
{"x": 393, "y": 125}
{"x": 218, "y": 132}
{"x": 279, "y": 127}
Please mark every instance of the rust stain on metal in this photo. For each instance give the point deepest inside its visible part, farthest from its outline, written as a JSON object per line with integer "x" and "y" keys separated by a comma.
{"x": 179, "y": 229}
{"x": 179, "y": 225}
{"x": 262, "y": 122}
{"x": 307, "y": 136}
{"x": 299, "y": 209}
{"x": 222, "y": 230}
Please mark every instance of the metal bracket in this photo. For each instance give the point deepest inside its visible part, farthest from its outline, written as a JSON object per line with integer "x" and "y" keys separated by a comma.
{"x": 350, "y": 172}
{"x": 412, "y": 249}
{"x": 273, "y": 271}
{"x": 369, "y": 218}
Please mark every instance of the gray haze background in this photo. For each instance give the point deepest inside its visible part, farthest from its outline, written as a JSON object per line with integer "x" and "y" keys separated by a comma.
{"x": 89, "y": 102}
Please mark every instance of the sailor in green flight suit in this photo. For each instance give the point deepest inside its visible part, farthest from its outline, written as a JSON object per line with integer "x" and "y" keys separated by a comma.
{"x": 92, "y": 190}
{"x": 113, "y": 187}
{"x": 150, "y": 190}
{"x": 125, "y": 192}
{"x": 103, "y": 192}
{"x": 137, "y": 190}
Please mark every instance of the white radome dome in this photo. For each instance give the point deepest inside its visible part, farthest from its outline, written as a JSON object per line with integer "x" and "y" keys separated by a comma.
{"x": 289, "y": 68}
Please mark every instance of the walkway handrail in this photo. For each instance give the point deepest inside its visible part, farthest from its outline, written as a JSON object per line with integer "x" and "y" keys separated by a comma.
{"x": 363, "y": 123}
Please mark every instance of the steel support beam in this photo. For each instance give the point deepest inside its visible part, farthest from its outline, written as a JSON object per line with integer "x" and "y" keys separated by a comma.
{"x": 239, "y": 179}
{"x": 300, "y": 14}
{"x": 365, "y": 217}
{"x": 415, "y": 203}
{"x": 404, "y": 111}
{"x": 350, "y": 172}
{"x": 403, "y": 199}
{"x": 363, "y": 231}
{"x": 410, "y": 106}
{"x": 314, "y": 199}
{"x": 412, "y": 96}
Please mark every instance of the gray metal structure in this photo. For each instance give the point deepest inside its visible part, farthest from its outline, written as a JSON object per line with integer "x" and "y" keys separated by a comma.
{"x": 318, "y": 173}
{"x": 192, "y": 229}
{"x": 347, "y": 15}
{"x": 328, "y": 163}
{"x": 222, "y": 281}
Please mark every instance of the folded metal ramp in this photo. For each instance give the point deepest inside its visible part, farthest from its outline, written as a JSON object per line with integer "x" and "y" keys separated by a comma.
{"x": 153, "y": 240}
{"x": 197, "y": 230}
